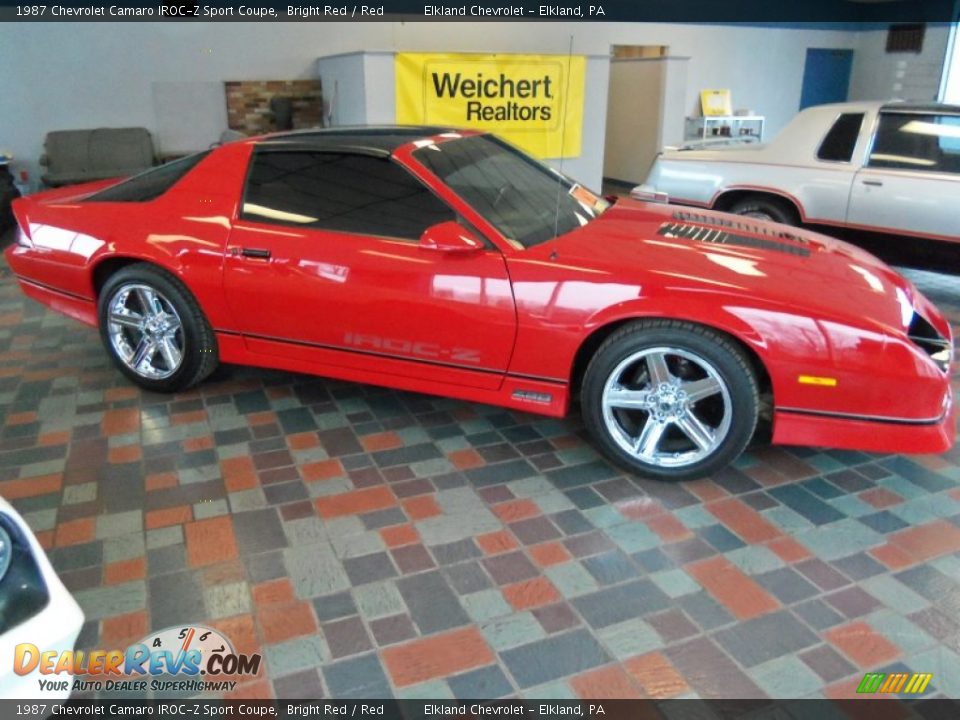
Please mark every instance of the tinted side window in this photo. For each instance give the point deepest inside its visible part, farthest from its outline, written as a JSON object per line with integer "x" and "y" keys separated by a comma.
{"x": 839, "y": 142}
{"x": 917, "y": 142}
{"x": 341, "y": 192}
{"x": 150, "y": 184}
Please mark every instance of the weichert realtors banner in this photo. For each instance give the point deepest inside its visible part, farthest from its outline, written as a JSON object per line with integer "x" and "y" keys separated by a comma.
{"x": 534, "y": 101}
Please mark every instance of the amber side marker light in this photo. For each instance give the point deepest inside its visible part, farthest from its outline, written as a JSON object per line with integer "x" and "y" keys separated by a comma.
{"x": 816, "y": 380}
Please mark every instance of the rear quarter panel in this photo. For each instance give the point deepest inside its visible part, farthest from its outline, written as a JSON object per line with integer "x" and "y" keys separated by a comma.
{"x": 184, "y": 231}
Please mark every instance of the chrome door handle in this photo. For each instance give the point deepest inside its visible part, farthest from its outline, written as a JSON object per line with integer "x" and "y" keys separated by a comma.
{"x": 873, "y": 183}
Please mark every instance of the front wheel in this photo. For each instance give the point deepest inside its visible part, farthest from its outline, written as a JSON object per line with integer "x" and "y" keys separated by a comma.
{"x": 670, "y": 400}
{"x": 154, "y": 329}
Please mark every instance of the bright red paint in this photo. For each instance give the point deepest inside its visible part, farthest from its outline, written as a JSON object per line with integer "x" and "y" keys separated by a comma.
{"x": 483, "y": 325}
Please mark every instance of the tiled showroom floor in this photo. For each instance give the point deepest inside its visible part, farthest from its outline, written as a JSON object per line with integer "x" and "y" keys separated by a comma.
{"x": 377, "y": 543}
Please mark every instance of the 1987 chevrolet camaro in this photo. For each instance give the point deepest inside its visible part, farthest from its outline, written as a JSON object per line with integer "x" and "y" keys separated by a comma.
{"x": 448, "y": 262}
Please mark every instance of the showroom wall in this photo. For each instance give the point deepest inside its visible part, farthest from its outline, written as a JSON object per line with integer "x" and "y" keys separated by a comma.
{"x": 101, "y": 74}
{"x": 877, "y": 74}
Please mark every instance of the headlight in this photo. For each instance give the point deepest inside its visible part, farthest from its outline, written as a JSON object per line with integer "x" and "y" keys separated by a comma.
{"x": 6, "y": 552}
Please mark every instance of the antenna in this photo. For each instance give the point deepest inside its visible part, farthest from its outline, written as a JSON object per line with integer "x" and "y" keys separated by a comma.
{"x": 563, "y": 137}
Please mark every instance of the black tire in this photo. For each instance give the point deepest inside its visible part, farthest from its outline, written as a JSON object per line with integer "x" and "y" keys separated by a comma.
{"x": 199, "y": 355}
{"x": 726, "y": 360}
{"x": 764, "y": 207}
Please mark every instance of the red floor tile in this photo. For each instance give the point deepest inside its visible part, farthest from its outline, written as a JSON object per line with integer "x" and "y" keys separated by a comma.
{"x": 880, "y": 498}
{"x": 125, "y": 571}
{"x": 210, "y": 541}
{"x": 124, "y": 454}
{"x": 322, "y": 470}
{"x": 273, "y": 592}
{"x": 606, "y": 683}
{"x": 121, "y": 631}
{"x": 238, "y": 473}
{"x": 862, "y": 644}
{"x": 160, "y": 481}
{"x": 449, "y": 653}
{"x": 399, "y": 535}
{"x": 303, "y": 441}
{"x": 893, "y": 556}
{"x": 530, "y": 593}
{"x": 497, "y": 542}
{"x": 736, "y": 591}
{"x": 656, "y": 676}
{"x": 668, "y": 528}
{"x": 421, "y": 507}
{"x": 744, "y": 520}
{"x": 381, "y": 441}
{"x": 194, "y": 416}
{"x": 74, "y": 532}
{"x": 279, "y": 623}
{"x": 194, "y": 444}
{"x": 924, "y": 542}
{"x": 550, "y": 553}
{"x": 242, "y": 633}
{"x": 31, "y": 487}
{"x": 466, "y": 459}
{"x": 789, "y": 550}
{"x": 120, "y": 422}
{"x": 355, "y": 502}
{"x": 58, "y": 437}
{"x": 168, "y": 516}
{"x": 514, "y": 510}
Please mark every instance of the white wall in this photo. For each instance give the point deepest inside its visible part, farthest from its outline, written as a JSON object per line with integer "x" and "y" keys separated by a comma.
{"x": 57, "y": 75}
{"x": 878, "y": 75}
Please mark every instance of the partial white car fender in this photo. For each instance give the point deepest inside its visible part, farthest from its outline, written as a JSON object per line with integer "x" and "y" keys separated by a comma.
{"x": 54, "y": 626}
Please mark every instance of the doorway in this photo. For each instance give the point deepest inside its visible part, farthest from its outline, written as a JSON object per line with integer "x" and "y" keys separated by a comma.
{"x": 826, "y": 76}
{"x": 643, "y": 91}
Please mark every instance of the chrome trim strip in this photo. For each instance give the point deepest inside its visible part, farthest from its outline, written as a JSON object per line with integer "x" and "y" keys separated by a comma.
{"x": 866, "y": 418}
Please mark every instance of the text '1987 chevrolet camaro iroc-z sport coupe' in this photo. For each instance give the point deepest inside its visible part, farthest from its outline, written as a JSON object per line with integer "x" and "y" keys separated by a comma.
{"x": 448, "y": 262}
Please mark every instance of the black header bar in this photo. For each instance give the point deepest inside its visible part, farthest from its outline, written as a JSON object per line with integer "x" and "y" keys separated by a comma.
{"x": 831, "y": 14}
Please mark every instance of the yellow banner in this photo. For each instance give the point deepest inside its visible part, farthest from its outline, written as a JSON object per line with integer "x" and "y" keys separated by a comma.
{"x": 534, "y": 101}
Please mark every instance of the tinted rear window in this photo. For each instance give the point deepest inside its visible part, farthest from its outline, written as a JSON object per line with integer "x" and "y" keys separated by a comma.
{"x": 839, "y": 143}
{"x": 151, "y": 184}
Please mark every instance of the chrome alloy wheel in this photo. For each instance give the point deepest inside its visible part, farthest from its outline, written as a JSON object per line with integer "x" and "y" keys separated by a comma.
{"x": 667, "y": 407}
{"x": 145, "y": 331}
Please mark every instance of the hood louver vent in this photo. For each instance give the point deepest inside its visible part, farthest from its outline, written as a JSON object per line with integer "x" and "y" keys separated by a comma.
{"x": 688, "y": 216}
{"x": 701, "y": 233}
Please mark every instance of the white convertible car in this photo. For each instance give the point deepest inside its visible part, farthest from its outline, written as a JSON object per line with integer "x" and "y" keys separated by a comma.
{"x": 884, "y": 167}
{"x": 35, "y": 608}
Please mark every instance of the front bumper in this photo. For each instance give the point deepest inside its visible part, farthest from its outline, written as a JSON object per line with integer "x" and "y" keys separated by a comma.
{"x": 867, "y": 434}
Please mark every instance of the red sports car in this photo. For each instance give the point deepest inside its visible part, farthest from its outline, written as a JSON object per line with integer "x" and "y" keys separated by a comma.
{"x": 448, "y": 262}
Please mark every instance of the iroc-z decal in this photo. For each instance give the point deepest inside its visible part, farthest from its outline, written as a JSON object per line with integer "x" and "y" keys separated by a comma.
{"x": 415, "y": 348}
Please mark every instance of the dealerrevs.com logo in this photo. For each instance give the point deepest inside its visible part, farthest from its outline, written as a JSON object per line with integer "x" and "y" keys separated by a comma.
{"x": 194, "y": 658}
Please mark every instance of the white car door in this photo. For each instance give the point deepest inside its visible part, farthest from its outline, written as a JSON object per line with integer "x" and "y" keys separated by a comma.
{"x": 910, "y": 182}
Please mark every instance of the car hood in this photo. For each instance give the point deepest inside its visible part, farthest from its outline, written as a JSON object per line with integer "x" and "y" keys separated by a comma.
{"x": 680, "y": 248}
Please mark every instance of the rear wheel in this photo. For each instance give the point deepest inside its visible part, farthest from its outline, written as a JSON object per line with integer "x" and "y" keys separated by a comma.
{"x": 154, "y": 329}
{"x": 762, "y": 207}
{"x": 670, "y": 400}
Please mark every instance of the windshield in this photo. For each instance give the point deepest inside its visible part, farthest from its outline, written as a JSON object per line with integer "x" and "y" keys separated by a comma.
{"x": 526, "y": 201}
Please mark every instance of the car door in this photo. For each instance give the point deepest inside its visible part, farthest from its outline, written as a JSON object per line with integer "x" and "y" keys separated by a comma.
{"x": 324, "y": 264}
{"x": 911, "y": 179}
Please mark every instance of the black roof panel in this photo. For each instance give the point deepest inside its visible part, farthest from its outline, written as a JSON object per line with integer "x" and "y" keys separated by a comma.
{"x": 926, "y": 108}
{"x": 373, "y": 139}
